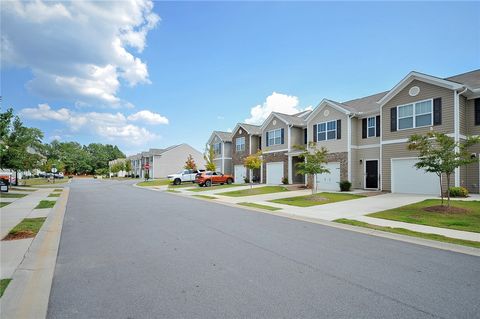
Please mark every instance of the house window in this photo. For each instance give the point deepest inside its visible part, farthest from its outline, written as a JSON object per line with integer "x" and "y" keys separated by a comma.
{"x": 371, "y": 127}
{"x": 240, "y": 144}
{"x": 275, "y": 137}
{"x": 217, "y": 148}
{"x": 327, "y": 131}
{"x": 415, "y": 115}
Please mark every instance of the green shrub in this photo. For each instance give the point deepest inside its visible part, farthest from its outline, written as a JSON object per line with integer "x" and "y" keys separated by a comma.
{"x": 246, "y": 180}
{"x": 345, "y": 186}
{"x": 285, "y": 181}
{"x": 458, "y": 192}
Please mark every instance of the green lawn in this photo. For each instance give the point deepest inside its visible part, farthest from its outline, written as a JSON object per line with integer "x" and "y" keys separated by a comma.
{"x": 255, "y": 191}
{"x": 403, "y": 231}
{"x": 173, "y": 191}
{"x": 23, "y": 189}
{"x": 3, "y": 285}
{"x": 155, "y": 182}
{"x": 41, "y": 181}
{"x": 259, "y": 206}
{"x": 46, "y": 204}
{"x": 28, "y": 227}
{"x": 10, "y": 195}
{"x": 214, "y": 187}
{"x": 416, "y": 214}
{"x": 54, "y": 195}
{"x": 183, "y": 185}
{"x": 205, "y": 196}
{"x": 317, "y": 199}
{"x": 58, "y": 190}
{"x": 3, "y": 204}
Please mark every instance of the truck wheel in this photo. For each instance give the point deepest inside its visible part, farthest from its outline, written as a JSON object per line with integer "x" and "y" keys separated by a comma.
{"x": 229, "y": 181}
{"x": 208, "y": 183}
{"x": 177, "y": 181}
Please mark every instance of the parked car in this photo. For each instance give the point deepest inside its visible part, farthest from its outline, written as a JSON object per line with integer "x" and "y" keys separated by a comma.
{"x": 186, "y": 175}
{"x": 4, "y": 185}
{"x": 58, "y": 175}
{"x": 209, "y": 178}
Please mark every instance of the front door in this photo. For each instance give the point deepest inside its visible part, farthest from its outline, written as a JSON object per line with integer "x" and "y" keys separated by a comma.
{"x": 371, "y": 174}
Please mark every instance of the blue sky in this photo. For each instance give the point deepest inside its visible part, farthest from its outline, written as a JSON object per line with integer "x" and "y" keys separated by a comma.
{"x": 204, "y": 66}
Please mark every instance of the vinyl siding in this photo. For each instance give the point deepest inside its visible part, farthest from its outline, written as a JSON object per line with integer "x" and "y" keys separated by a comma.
{"x": 255, "y": 143}
{"x": 358, "y": 132}
{"x": 463, "y": 115}
{"x": 472, "y": 129}
{"x": 297, "y": 137}
{"x": 358, "y": 169}
{"x": 427, "y": 91}
{"x": 333, "y": 146}
{"x": 173, "y": 161}
{"x": 279, "y": 124}
{"x": 469, "y": 177}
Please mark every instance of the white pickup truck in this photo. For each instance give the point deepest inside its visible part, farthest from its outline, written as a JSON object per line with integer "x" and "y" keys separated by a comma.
{"x": 187, "y": 175}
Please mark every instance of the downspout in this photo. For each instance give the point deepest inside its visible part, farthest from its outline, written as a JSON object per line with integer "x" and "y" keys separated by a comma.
{"x": 456, "y": 104}
{"x": 223, "y": 157}
{"x": 349, "y": 147}
{"x": 289, "y": 146}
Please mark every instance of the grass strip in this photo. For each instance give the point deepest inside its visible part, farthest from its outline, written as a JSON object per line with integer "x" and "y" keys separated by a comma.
{"x": 23, "y": 189}
{"x": 255, "y": 191}
{"x": 58, "y": 190}
{"x": 205, "y": 196}
{"x": 403, "y": 231}
{"x": 316, "y": 199}
{"x": 45, "y": 204}
{"x": 10, "y": 195}
{"x": 27, "y": 228}
{"x": 3, "y": 285}
{"x": 155, "y": 182}
{"x": 213, "y": 187}
{"x": 54, "y": 195}
{"x": 3, "y": 204}
{"x": 254, "y": 205}
{"x": 173, "y": 191}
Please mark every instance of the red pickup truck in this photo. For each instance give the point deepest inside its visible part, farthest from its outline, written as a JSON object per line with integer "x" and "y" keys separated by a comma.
{"x": 209, "y": 178}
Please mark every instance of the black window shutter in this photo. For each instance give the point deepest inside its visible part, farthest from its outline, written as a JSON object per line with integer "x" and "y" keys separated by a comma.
{"x": 364, "y": 128}
{"x": 283, "y": 136}
{"x": 304, "y": 136}
{"x": 377, "y": 125}
{"x": 477, "y": 111}
{"x": 339, "y": 129}
{"x": 266, "y": 140}
{"x": 393, "y": 119}
{"x": 315, "y": 133}
{"x": 437, "y": 111}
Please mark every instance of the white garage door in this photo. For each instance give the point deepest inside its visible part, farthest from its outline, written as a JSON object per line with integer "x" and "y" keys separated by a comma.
{"x": 274, "y": 173}
{"x": 329, "y": 181}
{"x": 240, "y": 173}
{"x": 406, "y": 178}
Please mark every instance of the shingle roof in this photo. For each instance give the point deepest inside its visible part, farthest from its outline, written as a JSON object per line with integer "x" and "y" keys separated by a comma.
{"x": 152, "y": 152}
{"x": 291, "y": 119}
{"x": 224, "y": 136}
{"x": 365, "y": 104}
{"x": 470, "y": 79}
{"x": 252, "y": 129}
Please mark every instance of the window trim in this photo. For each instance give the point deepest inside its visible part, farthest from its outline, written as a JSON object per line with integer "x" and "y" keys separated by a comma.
{"x": 220, "y": 148}
{"x": 275, "y": 137}
{"x": 414, "y": 115}
{"x": 242, "y": 145}
{"x": 326, "y": 131}
{"x": 374, "y": 126}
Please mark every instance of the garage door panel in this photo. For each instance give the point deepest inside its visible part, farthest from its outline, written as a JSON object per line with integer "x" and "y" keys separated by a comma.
{"x": 275, "y": 173}
{"x": 406, "y": 178}
{"x": 240, "y": 172}
{"x": 331, "y": 180}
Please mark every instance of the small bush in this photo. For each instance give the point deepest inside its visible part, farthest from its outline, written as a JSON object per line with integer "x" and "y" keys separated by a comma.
{"x": 285, "y": 181}
{"x": 345, "y": 186}
{"x": 246, "y": 180}
{"x": 458, "y": 192}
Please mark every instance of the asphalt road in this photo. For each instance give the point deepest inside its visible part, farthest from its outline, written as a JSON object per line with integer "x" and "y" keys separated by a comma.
{"x": 133, "y": 253}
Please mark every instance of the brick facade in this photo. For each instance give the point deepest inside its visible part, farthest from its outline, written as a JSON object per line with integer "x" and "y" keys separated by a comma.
{"x": 342, "y": 158}
{"x": 238, "y": 157}
{"x": 275, "y": 157}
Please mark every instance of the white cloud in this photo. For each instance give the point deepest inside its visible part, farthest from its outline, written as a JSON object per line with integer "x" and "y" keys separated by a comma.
{"x": 276, "y": 102}
{"x": 112, "y": 126}
{"x": 148, "y": 117}
{"x": 78, "y": 50}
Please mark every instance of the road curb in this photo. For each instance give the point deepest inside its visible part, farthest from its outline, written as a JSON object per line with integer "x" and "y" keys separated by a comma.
{"x": 409, "y": 239}
{"x": 28, "y": 294}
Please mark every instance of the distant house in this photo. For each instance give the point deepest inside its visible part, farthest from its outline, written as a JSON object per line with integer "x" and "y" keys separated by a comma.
{"x": 121, "y": 173}
{"x": 221, "y": 142}
{"x": 164, "y": 161}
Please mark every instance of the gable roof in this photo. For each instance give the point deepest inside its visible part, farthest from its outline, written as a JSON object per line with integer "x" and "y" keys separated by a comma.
{"x": 249, "y": 128}
{"x": 224, "y": 136}
{"x": 470, "y": 79}
{"x": 336, "y": 105}
{"x": 365, "y": 104}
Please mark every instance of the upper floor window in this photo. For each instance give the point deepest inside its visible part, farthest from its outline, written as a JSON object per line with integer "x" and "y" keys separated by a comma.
{"x": 415, "y": 115}
{"x": 217, "y": 148}
{"x": 274, "y": 137}
{"x": 240, "y": 144}
{"x": 371, "y": 126}
{"x": 327, "y": 131}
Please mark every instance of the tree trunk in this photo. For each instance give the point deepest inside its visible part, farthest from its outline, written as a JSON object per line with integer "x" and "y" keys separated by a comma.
{"x": 448, "y": 190}
{"x": 16, "y": 178}
{"x": 441, "y": 187}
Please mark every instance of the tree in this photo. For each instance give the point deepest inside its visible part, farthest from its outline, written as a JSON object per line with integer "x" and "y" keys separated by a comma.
{"x": 440, "y": 154}
{"x": 20, "y": 145}
{"x": 128, "y": 166}
{"x": 190, "y": 163}
{"x": 253, "y": 161}
{"x": 313, "y": 160}
{"x": 209, "y": 158}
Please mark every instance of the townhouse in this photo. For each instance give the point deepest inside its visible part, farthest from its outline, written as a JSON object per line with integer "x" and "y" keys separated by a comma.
{"x": 221, "y": 142}
{"x": 246, "y": 140}
{"x": 162, "y": 162}
{"x": 367, "y": 137}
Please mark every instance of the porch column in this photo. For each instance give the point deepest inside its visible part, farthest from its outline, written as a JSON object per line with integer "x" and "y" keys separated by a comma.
{"x": 290, "y": 173}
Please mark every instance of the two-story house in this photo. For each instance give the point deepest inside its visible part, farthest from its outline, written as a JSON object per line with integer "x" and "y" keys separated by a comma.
{"x": 246, "y": 140}
{"x": 221, "y": 142}
{"x": 281, "y": 133}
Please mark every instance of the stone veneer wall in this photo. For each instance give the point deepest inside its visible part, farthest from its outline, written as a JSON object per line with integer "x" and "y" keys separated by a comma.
{"x": 341, "y": 157}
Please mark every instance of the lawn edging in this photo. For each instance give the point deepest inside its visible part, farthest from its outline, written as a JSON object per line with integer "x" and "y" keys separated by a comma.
{"x": 28, "y": 293}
